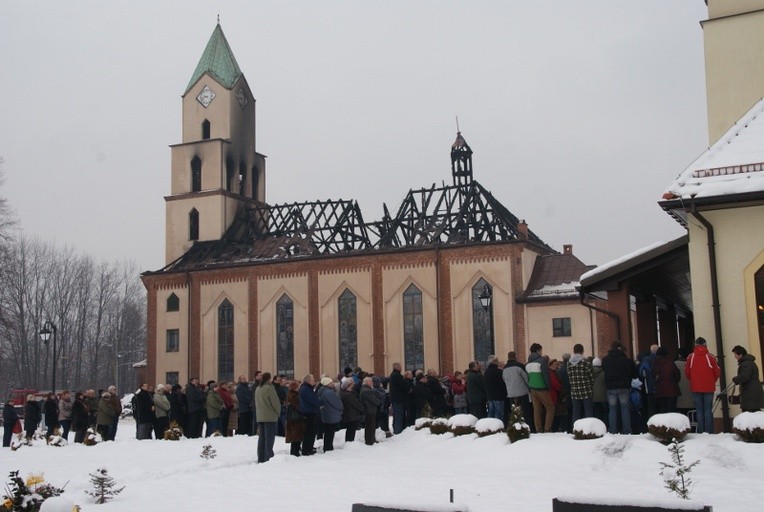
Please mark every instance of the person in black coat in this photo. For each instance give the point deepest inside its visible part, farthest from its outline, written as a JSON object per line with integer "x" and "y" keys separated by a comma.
{"x": 32, "y": 416}
{"x": 476, "y": 395}
{"x": 195, "y": 409}
{"x": 371, "y": 404}
{"x": 144, "y": 412}
{"x": 352, "y": 409}
{"x": 495, "y": 388}
{"x": 50, "y": 408}
{"x": 423, "y": 395}
{"x": 439, "y": 394}
{"x": 399, "y": 388}
{"x": 79, "y": 417}
{"x": 178, "y": 406}
{"x": 10, "y": 417}
{"x": 619, "y": 370}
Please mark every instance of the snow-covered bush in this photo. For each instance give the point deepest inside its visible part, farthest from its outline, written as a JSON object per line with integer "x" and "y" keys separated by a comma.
{"x": 675, "y": 475}
{"x": 462, "y": 424}
{"x": 589, "y": 428}
{"x": 421, "y": 423}
{"x": 489, "y": 426}
{"x": 749, "y": 426}
{"x": 103, "y": 486}
{"x": 439, "y": 426}
{"x": 517, "y": 428}
{"x": 668, "y": 426}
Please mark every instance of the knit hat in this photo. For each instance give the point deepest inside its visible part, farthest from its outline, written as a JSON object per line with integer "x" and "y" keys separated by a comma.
{"x": 700, "y": 341}
{"x": 326, "y": 381}
{"x": 596, "y": 361}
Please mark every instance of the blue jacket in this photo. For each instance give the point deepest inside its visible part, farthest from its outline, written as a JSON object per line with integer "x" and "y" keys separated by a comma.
{"x": 244, "y": 395}
{"x": 331, "y": 405}
{"x": 309, "y": 402}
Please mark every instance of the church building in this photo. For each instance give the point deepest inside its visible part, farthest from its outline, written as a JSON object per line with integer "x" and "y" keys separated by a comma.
{"x": 450, "y": 276}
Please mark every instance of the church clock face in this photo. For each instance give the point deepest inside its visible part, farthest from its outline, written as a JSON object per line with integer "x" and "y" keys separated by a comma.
{"x": 205, "y": 97}
{"x": 242, "y": 98}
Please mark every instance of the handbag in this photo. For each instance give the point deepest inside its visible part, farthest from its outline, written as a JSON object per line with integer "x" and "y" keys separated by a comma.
{"x": 734, "y": 396}
{"x": 293, "y": 414}
{"x": 16, "y": 427}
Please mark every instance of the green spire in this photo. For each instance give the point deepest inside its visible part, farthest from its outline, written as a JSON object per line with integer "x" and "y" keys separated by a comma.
{"x": 218, "y": 61}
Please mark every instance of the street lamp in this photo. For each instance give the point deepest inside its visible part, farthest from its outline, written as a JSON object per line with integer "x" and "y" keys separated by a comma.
{"x": 45, "y": 336}
{"x": 485, "y": 299}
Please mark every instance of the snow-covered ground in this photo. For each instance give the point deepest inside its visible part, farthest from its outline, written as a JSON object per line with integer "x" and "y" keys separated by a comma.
{"x": 415, "y": 468}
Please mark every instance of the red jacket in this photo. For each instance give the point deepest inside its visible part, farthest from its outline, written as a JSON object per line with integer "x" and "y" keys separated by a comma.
{"x": 702, "y": 370}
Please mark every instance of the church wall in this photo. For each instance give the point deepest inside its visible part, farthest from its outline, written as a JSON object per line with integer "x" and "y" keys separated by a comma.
{"x": 540, "y": 316}
{"x": 733, "y": 48}
{"x": 464, "y": 275}
{"x": 330, "y": 286}
{"x": 269, "y": 290}
{"x": 171, "y": 361}
{"x": 395, "y": 281}
{"x": 211, "y": 297}
{"x": 218, "y": 112}
{"x": 211, "y": 152}
{"x": 739, "y": 234}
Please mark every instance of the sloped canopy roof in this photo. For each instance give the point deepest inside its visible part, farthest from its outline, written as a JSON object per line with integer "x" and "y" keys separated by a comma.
{"x": 555, "y": 277}
{"x": 731, "y": 170}
{"x": 218, "y": 61}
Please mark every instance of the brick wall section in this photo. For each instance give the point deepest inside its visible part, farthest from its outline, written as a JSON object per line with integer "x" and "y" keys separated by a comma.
{"x": 314, "y": 337}
{"x": 254, "y": 333}
{"x": 445, "y": 315}
{"x": 378, "y": 318}
{"x": 519, "y": 340}
{"x": 606, "y": 328}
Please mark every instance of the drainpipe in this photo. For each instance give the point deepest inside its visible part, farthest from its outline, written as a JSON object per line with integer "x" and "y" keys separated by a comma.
{"x": 581, "y": 295}
{"x": 715, "y": 306}
{"x": 188, "y": 326}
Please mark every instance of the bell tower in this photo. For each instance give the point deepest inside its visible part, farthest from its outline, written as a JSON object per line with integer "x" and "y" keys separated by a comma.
{"x": 215, "y": 170}
{"x": 461, "y": 161}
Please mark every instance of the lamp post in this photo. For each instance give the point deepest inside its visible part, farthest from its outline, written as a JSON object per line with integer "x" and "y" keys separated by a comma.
{"x": 485, "y": 300}
{"x": 45, "y": 336}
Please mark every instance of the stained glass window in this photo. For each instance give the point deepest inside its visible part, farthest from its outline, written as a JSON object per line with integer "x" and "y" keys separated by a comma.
{"x": 413, "y": 328}
{"x": 285, "y": 336}
{"x": 348, "y": 330}
{"x": 482, "y": 321}
{"x": 225, "y": 341}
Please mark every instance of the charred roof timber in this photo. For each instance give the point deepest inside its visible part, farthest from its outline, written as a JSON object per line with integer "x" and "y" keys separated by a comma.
{"x": 461, "y": 214}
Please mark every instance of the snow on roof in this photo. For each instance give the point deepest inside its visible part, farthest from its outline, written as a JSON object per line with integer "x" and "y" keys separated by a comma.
{"x": 623, "y": 259}
{"x": 734, "y": 164}
{"x": 556, "y": 289}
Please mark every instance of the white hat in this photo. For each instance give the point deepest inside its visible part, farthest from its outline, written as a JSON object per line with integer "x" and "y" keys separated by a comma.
{"x": 326, "y": 381}
{"x": 596, "y": 361}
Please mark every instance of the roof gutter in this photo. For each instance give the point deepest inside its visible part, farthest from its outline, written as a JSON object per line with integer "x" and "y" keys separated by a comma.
{"x": 716, "y": 307}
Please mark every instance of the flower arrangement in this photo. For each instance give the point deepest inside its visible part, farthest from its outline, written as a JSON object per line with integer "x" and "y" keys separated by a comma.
{"x": 27, "y": 495}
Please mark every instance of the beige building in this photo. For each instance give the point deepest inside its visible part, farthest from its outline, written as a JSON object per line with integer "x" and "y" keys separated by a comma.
{"x": 452, "y": 277}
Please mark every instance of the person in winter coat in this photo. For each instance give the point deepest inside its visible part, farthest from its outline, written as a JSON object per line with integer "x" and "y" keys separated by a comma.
{"x": 383, "y": 412}
{"x": 495, "y": 389}
{"x": 50, "y": 410}
{"x": 459, "y": 392}
{"x": 399, "y": 388}
{"x": 310, "y": 406}
{"x": 331, "y": 411}
{"x": 516, "y": 381}
{"x": 557, "y": 392}
{"x": 32, "y": 416}
{"x": 105, "y": 415}
{"x": 685, "y": 402}
{"x": 178, "y": 406}
{"x": 666, "y": 375}
{"x": 10, "y": 417}
{"x": 91, "y": 399}
{"x": 79, "y": 417}
{"x": 268, "y": 407}
{"x": 599, "y": 391}
{"x": 352, "y": 409}
{"x": 116, "y": 403}
{"x": 371, "y": 405}
{"x": 244, "y": 394}
{"x": 161, "y": 412}
{"x": 295, "y": 428}
{"x": 540, "y": 384}
{"x": 225, "y": 412}
{"x": 65, "y": 413}
{"x": 439, "y": 394}
{"x": 619, "y": 370}
{"x": 703, "y": 371}
{"x": 423, "y": 396}
{"x": 144, "y": 412}
{"x": 476, "y": 395}
{"x": 195, "y": 403}
{"x": 751, "y": 394}
{"x": 213, "y": 404}
{"x": 581, "y": 377}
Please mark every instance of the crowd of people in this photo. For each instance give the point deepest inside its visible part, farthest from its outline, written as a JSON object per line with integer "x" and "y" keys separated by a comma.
{"x": 620, "y": 391}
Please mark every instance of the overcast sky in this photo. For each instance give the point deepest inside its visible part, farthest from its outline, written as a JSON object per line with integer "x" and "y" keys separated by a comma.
{"x": 579, "y": 113}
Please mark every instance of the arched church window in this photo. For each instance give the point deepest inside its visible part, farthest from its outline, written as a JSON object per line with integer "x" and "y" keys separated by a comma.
{"x": 173, "y": 303}
{"x": 348, "y": 330}
{"x": 413, "y": 328}
{"x": 285, "y": 336}
{"x": 196, "y": 174}
{"x": 225, "y": 341}
{"x": 205, "y": 130}
{"x": 193, "y": 224}
{"x": 482, "y": 320}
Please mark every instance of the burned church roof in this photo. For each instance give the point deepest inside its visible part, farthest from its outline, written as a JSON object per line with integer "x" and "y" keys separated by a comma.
{"x": 464, "y": 213}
